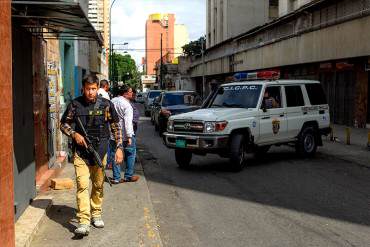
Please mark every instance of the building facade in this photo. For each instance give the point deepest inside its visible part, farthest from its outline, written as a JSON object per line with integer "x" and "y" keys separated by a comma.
{"x": 40, "y": 73}
{"x": 98, "y": 14}
{"x": 288, "y": 6}
{"x": 228, "y": 18}
{"x": 322, "y": 40}
{"x": 159, "y": 31}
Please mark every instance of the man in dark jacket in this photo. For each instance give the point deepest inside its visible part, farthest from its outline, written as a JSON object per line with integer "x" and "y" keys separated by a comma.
{"x": 99, "y": 118}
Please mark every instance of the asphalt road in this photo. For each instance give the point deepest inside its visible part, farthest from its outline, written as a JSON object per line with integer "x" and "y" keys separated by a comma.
{"x": 280, "y": 200}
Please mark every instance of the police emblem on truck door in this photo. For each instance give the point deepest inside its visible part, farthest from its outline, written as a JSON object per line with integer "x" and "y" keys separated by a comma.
{"x": 275, "y": 126}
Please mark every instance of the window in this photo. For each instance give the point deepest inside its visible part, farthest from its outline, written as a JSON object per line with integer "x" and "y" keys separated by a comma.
{"x": 272, "y": 98}
{"x": 294, "y": 96}
{"x": 153, "y": 94}
{"x": 170, "y": 99}
{"x": 236, "y": 96}
{"x": 274, "y": 3}
{"x": 316, "y": 94}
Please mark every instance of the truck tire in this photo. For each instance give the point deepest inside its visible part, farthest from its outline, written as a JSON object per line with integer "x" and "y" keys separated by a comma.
{"x": 238, "y": 148}
{"x": 183, "y": 157}
{"x": 306, "y": 145}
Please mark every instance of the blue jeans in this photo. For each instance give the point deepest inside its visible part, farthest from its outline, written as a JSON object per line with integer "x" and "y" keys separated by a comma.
{"x": 130, "y": 157}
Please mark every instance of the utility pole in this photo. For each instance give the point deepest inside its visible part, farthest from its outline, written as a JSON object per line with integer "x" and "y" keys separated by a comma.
{"x": 112, "y": 65}
{"x": 203, "y": 74}
{"x": 110, "y": 40}
{"x": 160, "y": 68}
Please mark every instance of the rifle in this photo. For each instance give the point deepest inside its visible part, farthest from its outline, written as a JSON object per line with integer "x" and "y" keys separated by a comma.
{"x": 91, "y": 150}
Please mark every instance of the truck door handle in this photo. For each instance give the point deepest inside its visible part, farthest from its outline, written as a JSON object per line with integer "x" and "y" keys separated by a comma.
{"x": 304, "y": 113}
{"x": 266, "y": 118}
{"x": 282, "y": 115}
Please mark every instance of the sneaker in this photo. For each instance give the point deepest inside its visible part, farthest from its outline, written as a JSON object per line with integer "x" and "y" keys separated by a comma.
{"x": 97, "y": 222}
{"x": 82, "y": 230}
{"x": 113, "y": 181}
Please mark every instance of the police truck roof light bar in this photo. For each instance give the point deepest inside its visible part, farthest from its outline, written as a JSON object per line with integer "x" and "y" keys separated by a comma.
{"x": 260, "y": 75}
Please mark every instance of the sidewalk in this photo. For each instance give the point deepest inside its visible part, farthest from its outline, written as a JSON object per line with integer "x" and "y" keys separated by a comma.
{"x": 357, "y": 152}
{"x": 127, "y": 212}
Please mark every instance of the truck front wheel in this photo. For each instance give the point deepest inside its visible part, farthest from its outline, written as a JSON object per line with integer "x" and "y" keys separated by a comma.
{"x": 238, "y": 152}
{"x": 183, "y": 158}
{"x": 306, "y": 145}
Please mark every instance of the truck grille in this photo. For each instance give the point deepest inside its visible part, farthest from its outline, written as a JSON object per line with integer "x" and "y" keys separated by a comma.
{"x": 187, "y": 126}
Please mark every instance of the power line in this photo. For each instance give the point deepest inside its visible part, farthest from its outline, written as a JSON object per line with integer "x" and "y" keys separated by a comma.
{"x": 135, "y": 49}
{"x": 143, "y": 50}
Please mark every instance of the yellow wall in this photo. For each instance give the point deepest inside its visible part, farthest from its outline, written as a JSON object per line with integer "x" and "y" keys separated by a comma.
{"x": 181, "y": 38}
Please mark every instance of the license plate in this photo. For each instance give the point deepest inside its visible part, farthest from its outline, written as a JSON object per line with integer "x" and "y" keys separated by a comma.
{"x": 180, "y": 143}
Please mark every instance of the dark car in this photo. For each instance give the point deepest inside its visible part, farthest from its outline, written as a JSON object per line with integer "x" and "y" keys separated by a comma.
{"x": 148, "y": 102}
{"x": 172, "y": 103}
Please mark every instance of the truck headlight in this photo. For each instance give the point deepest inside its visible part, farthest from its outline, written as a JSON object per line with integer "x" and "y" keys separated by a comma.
{"x": 170, "y": 125}
{"x": 210, "y": 127}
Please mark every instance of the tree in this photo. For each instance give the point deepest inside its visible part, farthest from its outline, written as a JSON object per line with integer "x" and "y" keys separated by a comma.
{"x": 194, "y": 48}
{"x": 124, "y": 69}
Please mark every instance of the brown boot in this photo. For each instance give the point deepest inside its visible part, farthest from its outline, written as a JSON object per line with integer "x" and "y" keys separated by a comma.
{"x": 132, "y": 179}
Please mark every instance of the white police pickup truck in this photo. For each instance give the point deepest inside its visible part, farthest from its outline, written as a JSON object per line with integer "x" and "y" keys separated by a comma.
{"x": 249, "y": 117}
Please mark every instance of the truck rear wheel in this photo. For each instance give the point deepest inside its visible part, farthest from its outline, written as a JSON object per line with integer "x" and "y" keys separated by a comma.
{"x": 183, "y": 158}
{"x": 238, "y": 152}
{"x": 306, "y": 145}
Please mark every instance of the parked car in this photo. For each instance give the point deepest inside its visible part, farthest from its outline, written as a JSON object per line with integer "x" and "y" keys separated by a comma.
{"x": 171, "y": 103}
{"x": 140, "y": 98}
{"x": 249, "y": 117}
{"x": 155, "y": 101}
{"x": 148, "y": 102}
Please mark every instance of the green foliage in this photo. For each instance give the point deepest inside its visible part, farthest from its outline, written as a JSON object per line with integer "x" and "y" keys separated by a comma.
{"x": 194, "y": 48}
{"x": 124, "y": 69}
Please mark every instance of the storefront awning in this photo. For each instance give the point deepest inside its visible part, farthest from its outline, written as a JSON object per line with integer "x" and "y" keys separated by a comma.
{"x": 55, "y": 20}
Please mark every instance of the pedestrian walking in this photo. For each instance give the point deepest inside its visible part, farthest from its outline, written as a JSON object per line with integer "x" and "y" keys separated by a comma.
{"x": 98, "y": 117}
{"x": 125, "y": 113}
{"x": 104, "y": 89}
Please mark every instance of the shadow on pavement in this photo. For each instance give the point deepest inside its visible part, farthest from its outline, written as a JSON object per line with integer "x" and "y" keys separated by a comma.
{"x": 319, "y": 186}
{"x": 63, "y": 215}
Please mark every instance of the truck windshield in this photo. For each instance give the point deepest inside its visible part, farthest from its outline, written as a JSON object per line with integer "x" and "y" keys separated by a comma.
{"x": 181, "y": 99}
{"x": 236, "y": 96}
{"x": 152, "y": 95}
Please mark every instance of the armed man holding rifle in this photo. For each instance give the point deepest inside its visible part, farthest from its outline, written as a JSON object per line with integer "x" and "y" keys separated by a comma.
{"x": 87, "y": 120}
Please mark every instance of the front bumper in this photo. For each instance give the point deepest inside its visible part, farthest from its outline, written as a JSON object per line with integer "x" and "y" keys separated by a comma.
{"x": 197, "y": 142}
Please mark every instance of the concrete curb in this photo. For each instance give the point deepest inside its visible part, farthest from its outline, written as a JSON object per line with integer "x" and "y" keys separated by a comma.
{"x": 152, "y": 235}
{"x": 29, "y": 223}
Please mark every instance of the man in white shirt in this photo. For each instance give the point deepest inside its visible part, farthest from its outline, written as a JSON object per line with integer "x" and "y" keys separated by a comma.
{"x": 125, "y": 113}
{"x": 104, "y": 88}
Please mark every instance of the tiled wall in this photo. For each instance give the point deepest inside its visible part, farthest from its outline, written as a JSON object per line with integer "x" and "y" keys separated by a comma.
{"x": 6, "y": 129}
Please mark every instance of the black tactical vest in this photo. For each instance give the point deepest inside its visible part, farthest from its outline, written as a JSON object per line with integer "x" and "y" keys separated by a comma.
{"x": 94, "y": 118}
